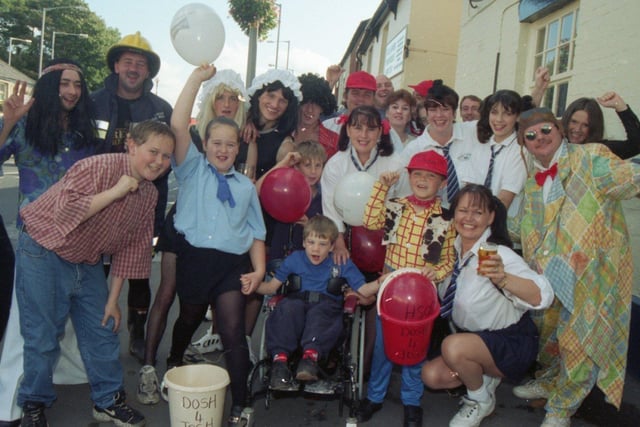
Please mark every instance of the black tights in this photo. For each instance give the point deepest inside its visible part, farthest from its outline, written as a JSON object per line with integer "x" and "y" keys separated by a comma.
{"x": 229, "y": 311}
{"x": 139, "y": 296}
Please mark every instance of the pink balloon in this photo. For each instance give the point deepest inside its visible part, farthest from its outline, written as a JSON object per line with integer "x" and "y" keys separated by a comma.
{"x": 285, "y": 194}
{"x": 367, "y": 252}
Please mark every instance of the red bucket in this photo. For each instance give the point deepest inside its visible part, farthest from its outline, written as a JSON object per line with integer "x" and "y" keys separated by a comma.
{"x": 408, "y": 306}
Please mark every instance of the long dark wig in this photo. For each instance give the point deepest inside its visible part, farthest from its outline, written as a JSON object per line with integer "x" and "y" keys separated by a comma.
{"x": 45, "y": 120}
{"x": 289, "y": 120}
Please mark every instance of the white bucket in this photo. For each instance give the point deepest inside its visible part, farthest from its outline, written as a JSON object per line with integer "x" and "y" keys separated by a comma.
{"x": 196, "y": 395}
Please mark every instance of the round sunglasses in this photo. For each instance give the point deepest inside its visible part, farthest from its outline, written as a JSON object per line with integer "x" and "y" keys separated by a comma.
{"x": 533, "y": 134}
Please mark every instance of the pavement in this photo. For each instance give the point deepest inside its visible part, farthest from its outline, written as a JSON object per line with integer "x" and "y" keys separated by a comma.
{"x": 73, "y": 407}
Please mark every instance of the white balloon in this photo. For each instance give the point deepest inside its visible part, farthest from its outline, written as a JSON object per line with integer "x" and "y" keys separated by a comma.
{"x": 197, "y": 33}
{"x": 351, "y": 196}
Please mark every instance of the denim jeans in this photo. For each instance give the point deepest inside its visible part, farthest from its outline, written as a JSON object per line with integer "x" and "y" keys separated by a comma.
{"x": 49, "y": 289}
{"x": 411, "y": 388}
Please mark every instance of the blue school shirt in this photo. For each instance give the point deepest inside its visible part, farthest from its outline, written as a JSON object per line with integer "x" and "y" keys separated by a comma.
{"x": 315, "y": 277}
{"x": 205, "y": 221}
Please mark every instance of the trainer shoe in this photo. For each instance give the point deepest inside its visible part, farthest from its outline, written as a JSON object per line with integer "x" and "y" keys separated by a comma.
{"x": 280, "y": 376}
{"x": 209, "y": 342}
{"x": 307, "y": 370}
{"x": 472, "y": 412}
{"x": 148, "y": 386}
{"x": 530, "y": 391}
{"x": 551, "y": 421}
{"x": 33, "y": 415}
{"x": 119, "y": 413}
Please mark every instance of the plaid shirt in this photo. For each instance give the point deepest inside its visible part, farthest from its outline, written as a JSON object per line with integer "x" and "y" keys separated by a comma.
{"x": 415, "y": 237}
{"x": 123, "y": 229}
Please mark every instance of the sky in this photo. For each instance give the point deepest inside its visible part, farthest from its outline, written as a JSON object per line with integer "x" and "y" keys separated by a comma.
{"x": 319, "y": 32}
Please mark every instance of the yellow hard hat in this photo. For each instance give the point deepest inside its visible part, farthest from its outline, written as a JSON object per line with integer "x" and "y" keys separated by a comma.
{"x": 137, "y": 44}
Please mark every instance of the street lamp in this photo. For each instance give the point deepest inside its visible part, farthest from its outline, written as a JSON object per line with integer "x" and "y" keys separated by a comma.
{"x": 278, "y": 35}
{"x": 44, "y": 18}
{"x": 288, "y": 42}
{"x": 11, "y": 39}
{"x": 62, "y": 33}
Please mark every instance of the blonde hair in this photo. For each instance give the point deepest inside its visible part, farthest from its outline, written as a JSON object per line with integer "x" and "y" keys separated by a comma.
{"x": 207, "y": 114}
{"x": 322, "y": 227}
{"x": 311, "y": 150}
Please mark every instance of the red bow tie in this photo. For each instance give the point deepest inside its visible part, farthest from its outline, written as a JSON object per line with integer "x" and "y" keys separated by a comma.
{"x": 541, "y": 177}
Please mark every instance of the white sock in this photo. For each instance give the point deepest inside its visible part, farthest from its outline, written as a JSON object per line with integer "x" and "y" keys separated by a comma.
{"x": 486, "y": 379}
{"x": 479, "y": 395}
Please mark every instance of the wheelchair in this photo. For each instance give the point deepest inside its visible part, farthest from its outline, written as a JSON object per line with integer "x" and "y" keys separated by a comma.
{"x": 340, "y": 375}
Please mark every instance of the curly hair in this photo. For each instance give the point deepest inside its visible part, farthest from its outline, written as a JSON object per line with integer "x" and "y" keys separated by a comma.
{"x": 44, "y": 126}
{"x": 316, "y": 89}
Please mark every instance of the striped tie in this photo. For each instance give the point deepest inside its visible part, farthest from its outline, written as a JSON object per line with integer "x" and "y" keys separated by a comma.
{"x": 446, "y": 306}
{"x": 494, "y": 154}
{"x": 452, "y": 177}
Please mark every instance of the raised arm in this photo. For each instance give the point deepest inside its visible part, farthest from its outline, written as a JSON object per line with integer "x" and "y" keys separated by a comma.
{"x": 181, "y": 116}
{"x": 13, "y": 109}
{"x": 541, "y": 83}
{"x": 630, "y": 147}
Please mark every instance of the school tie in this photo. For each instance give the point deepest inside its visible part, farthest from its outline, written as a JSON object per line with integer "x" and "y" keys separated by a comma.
{"x": 224, "y": 192}
{"x": 494, "y": 154}
{"x": 541, "y": 176}
{"x": 452, "y": 177}
{"x": 446, "y": 306}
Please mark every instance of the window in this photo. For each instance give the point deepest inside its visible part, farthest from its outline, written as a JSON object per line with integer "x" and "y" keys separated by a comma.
{"x": 555, "y": 46}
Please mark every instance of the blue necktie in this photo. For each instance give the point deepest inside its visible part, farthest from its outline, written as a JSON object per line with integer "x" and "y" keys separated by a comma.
{"x": 494, "y": 154}
{"x": 446, "y": 306}
{"x": 452, "y": 177}
{"x": 224, "y": 192}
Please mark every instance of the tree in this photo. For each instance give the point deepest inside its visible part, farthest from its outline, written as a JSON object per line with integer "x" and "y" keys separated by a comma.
{"x": 256, "y": 18}
{"x": 23, "y": 19}
{"x": 248, "y": 13}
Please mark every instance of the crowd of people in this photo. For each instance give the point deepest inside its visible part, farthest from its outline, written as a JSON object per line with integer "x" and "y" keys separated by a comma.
{"x": 93, "y": 197}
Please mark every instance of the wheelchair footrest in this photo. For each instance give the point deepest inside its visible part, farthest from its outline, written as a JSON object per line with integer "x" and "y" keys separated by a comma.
{"x": 321, "y": 387}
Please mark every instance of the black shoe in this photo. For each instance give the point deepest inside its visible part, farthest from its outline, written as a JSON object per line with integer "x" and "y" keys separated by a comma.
{"x": 119, "y": 413}
{"x": 412, "y": 416}
{"x": 33, "y": 415}
{"x": 366, "y": 410}
{"x": 307, "y": 370}
{"x": 280, "y": 376}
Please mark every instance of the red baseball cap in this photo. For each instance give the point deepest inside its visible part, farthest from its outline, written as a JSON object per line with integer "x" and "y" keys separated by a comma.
{"x": 423, "y": 87}
{"x": 361, "y": 80}
{"x": 431, "y": 161}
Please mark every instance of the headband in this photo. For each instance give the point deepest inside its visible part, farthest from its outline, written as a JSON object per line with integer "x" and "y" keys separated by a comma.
{"x": 63, "y": 66}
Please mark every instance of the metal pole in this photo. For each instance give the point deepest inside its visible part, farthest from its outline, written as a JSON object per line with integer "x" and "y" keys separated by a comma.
{"x": 288, "y": 47}
{"x": 44, "y": 17}
{"x": 253, "y": 50}
{"x": 278, "y": 36}
{"x": 53, "y": 45}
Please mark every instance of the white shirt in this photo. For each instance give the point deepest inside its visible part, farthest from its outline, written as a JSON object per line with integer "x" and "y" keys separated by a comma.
{"x": 341, "y": 164}
{"x": 462, "y": 141}
{"x": 509, "y": 168}
{"x": 398, "y": 145}
{"x": 479, "y": 305}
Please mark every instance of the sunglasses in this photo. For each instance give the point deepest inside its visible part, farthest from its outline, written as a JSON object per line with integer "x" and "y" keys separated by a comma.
{"x": 533, "y": 134}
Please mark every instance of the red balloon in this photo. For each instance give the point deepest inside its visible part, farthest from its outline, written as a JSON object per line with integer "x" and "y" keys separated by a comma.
{"x": 367, "y": 252}
{"x": 285, "y": 194}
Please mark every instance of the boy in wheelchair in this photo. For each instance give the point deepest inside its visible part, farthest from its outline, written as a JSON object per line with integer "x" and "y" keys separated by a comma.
{"x": 310, "y": 315}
